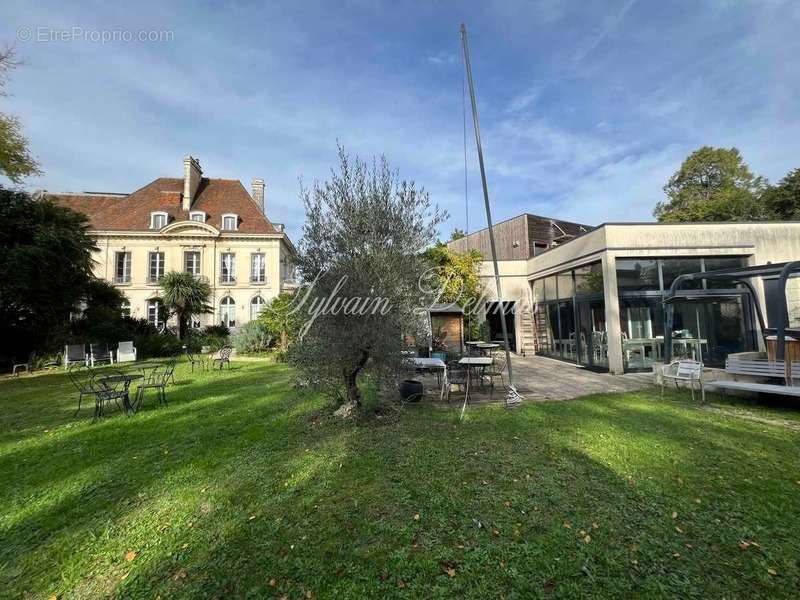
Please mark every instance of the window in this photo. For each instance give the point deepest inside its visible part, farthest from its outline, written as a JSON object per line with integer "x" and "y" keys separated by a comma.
{"x": 197, "y": 215}
{"x": 227, "y": 268}
{"x": 256, "y": 306}
{"x": 158, "y": 220}
{"x": 258, "y": 268}
{"x": 227, "y": 312}
{"x": 550, "y": 288}
{"x": 671, "y": 268}
{"x": 230, "y": 222}
{"x": 156, "y": 268}
{"x": 637, "y": 274}
{"x": 125, "y": 308}
{"x": 122, "y": 270}
{"x": 191, "y": 262}
{"x": 155, "y": 312}
{"x": 589, "y": 279}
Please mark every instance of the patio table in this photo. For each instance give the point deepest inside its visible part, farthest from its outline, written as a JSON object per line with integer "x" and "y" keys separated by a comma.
{"x": 126, "y": 380}
{"x": 473, "y": 345}
{"x": 488, "y": 346}
{"x": 434, "y": 363}
{"x": 472, "y": 362}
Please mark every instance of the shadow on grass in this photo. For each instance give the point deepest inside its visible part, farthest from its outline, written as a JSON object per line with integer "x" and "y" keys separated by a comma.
{"x": 233, "y": 485}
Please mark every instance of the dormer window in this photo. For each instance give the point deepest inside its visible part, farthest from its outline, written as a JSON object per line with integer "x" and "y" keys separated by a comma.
{"x": 230, "y": 222}
{"x": 197, "y": 215}
{"x": 158, "y": 220}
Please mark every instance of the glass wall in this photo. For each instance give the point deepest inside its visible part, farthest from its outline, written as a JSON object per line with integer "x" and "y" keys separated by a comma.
{"x": 707, "y": 329}
{"x": 571, "y": 323}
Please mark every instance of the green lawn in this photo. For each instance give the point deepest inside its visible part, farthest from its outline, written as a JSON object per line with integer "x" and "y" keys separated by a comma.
{"x": 244, "y": 487}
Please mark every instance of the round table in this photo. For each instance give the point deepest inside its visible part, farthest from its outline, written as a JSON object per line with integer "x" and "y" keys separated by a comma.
{"x": 126, "y": 380}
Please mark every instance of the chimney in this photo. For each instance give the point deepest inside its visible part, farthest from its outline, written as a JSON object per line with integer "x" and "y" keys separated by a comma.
{"x": 192, "y": 173}
{"x": 258, "y": 193}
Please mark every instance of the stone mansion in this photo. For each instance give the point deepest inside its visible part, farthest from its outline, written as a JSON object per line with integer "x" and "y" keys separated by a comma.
{"x": 212, "y": 228}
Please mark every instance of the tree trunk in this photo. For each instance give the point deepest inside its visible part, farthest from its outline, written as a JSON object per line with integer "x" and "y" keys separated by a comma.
{"x": 284, "y": 340}
{"x": 351, "y": 381}
{"x": 181, "y": 326}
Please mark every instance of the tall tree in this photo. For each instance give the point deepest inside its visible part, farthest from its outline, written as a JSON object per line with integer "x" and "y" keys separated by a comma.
{"x": 185, "y": 295}
{"x": 361, "y": 257}
{"x": 782, "y": 201}
{"x": 712, "y": 184}
{"x": 16, "y": 161}
{"x": 282, "y": 319}
{"x": 46, "y": 265}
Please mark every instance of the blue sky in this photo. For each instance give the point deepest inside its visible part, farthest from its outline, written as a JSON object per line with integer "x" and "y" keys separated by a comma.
{"x": 586, "y": 107}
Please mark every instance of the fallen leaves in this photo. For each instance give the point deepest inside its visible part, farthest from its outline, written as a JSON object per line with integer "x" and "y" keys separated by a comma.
{"x": 772, "y": 571}
{"x": 129, "y": 556}
{"x": 448, "y": 568}
{"x": 674, "y": 515}
{"x": 416, "y": 517}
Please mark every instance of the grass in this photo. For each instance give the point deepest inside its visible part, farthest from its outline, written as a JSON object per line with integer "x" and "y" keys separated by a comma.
{"x": 244, "y": 487}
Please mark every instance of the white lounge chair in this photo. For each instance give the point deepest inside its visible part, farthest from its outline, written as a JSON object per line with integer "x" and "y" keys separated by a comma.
{"x": 75, "y": 354}
{"x": 126, "y": 352}
{"x": 687, "y": 370}
{"x": 100, "y": 353}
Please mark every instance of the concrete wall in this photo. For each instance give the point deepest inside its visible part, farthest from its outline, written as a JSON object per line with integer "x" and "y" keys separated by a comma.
{"x": 210, "y": 246}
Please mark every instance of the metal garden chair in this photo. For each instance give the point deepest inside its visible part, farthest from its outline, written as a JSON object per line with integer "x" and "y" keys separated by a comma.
{"x": 687, "y": 370}
{"x": 223, "y": 357}
{"x": 106, "y": 392}
{"x": 80, "y": 376}
{"x": 496, "y": 369}
{"x": 195, "y": 359}
{"x": 157, "y": 380}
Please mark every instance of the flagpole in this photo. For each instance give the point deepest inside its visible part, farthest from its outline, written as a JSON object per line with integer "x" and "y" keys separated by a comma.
{"x": 512, "y": 398}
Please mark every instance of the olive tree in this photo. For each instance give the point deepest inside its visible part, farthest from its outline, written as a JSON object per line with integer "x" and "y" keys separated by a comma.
{"x": 361, "y": 260}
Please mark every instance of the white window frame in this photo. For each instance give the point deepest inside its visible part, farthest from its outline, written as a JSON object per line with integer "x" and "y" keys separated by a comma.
{"x": 196, "y": 272}
{"x": 154, "y": 303}
{"x": 227, "y": 306}
{"x": 160, "y": 264}
{"x": 158, "y": 213}
{"x": 230, "y": 277}
{"x": 125, "y": 308}
{"x": 258, "y": 275}
{"x": 198, "y": 213}
{"x": 126, "y": 266}
{"x": 261, "y": 306}
{"x": 235, "y": 218}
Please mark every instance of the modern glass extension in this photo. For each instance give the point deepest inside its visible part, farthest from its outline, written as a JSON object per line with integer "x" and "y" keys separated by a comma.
{"x": 571, "y": 313}
{"x": 571, "y": 316}
{"x": 706, "y": 328}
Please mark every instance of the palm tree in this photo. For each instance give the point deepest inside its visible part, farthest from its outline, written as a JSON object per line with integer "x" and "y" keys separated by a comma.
{"x": 185, "y": 295}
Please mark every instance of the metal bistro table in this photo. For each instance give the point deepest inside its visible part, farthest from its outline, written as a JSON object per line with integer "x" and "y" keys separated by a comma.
{"x": 434, "y": 363}
{"x": 473, "y": 346}
{"x": 111, "y": 381}
{"x": 487, "y": 347}
{"x": 473, "y": 362}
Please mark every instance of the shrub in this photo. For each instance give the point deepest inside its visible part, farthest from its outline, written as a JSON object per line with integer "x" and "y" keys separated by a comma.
{"x": 196, "y": 340}
{"x": 252, "y": 337}
{"x": 217, "y": 330}
{"x": 162, "y": 344}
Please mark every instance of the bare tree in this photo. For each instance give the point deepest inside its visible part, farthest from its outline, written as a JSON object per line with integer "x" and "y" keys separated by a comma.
{"x": 360, "y": 258}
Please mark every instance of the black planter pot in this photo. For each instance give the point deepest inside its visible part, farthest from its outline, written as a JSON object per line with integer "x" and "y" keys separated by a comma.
{"x": 411, "y": 390}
